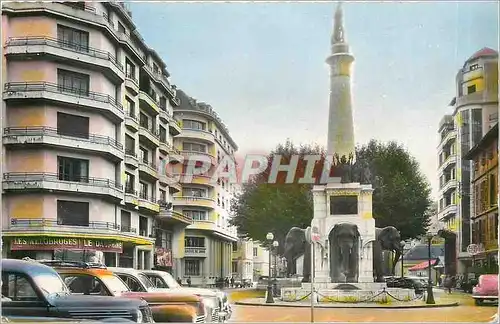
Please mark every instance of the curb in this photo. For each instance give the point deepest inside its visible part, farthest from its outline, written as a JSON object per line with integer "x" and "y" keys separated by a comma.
{"x": 243, "y": 303}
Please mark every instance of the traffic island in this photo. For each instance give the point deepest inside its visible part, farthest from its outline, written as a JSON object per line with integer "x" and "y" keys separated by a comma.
{"x": 348, "y": 304}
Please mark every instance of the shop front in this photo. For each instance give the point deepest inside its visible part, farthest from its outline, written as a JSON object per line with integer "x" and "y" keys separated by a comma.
{"x": 109, "y": 250}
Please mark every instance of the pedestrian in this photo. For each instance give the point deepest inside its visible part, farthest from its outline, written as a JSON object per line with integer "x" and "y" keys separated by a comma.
{"x": 448, "y": 283}
{"x": 232, "y": 282}
{"x": 189, "y": 281}
{"x": 179, "y": 281}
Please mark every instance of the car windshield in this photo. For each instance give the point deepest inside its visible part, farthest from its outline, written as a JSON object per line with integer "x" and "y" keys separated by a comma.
{"x": 167, "y": 280}
{"x": 145, "y": 281}
{"x": 115, "y": 285}
{"x": 50, "y": 284}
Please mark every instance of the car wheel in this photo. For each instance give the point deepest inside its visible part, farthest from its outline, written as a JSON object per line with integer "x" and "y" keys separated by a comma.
{"x": 478, "y": 302}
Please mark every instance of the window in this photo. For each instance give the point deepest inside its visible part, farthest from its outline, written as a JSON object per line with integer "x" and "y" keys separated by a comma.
{"x": 125, "y": 219}
{"x": 144, "y": 155}
{"x": 471, "y": 89}
{"x": 195, "y": 147}
{"x": 121, "y": 28}
{"x": 129, "y": 69}
{"x": 194, "y": 241}
{"x": 156, "y": 69}
{"x": 496, "y": 225}
{"x": 193, "y": 124}
{"x": 192, "y": 267}
{"x": 17, "y": 287}
{"x": 493, "y": 190}
{"x": 143, "y": 226}
{"x": 84, "y": 284}
{"x": 163, "y": 195}
{"x": 72, "y": 125}
{"x": 129, "y": 145}
{"x": 73, "y": 213}
{"x": 72, "y": 38}
{"x": 129, "y": 182}
{"x": 163, "y": 103}
{"x": 132, "y": 283}
{"x": 196, "y": 214}
{"x": 71, "y": 169}
{"x": 474, "y": 67}
{"x": 144, "y": 120}
{"x": 235, "y": 247}
{"x": 194, "y": 192}
{"x": 255, "y": 252}
{"x": 235, "y": 267}
{"x": 143, "y": 190}
{"x": 130, "y": 107}
{"x": 163, "y": 134}
{"x": 73, "y": 82}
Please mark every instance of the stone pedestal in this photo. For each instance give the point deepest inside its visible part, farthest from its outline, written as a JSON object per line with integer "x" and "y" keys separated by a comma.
{"x": 325, "y": 222}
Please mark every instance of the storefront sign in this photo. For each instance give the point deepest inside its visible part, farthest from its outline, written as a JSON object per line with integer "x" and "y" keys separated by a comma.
{"x": 59, "y": 243}
{"x": 163, "y": 257}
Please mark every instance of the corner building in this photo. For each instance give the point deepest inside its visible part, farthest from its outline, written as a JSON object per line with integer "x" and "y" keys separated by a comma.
{"x": 88, "y": 118}
{"x": 208, "y": 243}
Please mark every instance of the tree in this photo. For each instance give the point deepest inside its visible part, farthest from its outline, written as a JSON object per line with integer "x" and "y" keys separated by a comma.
{"x": 400, "y": 199}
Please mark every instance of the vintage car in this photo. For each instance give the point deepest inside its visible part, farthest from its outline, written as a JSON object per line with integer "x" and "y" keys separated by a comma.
{"x": 486, "y": 288}
{"x": 31, "y": 290}
{"x": 221, "y": 309}
{"x": 96, "y": 279}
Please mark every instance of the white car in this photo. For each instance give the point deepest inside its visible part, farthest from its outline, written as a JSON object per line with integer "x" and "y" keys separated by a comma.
{"x": 164, "y": 280}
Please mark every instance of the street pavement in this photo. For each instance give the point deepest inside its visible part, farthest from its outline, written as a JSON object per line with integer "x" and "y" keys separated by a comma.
{"x": 465, "y": 312}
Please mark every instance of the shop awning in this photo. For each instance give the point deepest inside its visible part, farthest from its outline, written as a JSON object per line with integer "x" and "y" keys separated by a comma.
{"x": 423, "y": 265}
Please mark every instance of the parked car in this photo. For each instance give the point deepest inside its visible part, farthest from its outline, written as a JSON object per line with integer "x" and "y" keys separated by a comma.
{"x": 216, "y": 299}
{"x": 406, "y": 282}
{"x": 486, "y": 289}
{"x": 31, "y": 290}
{"x": 96, "y": 279}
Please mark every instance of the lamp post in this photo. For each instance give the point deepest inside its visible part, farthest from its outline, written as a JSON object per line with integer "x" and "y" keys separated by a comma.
{"x": 430, "y": 294}
{"x": 402, "y": 252}
{"x": 275, "y": 251}
{"x": 270, "y": 299}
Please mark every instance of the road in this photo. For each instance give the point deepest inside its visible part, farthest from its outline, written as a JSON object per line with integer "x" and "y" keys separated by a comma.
{"x": 466, "y": 312}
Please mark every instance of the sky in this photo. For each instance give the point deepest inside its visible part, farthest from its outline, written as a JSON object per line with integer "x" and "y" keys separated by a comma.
{"x": 262, "y": 67}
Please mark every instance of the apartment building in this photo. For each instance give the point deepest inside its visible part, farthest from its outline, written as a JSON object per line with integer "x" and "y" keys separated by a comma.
{"x": 242, "y": 268}
{"x": 260, "y": 261}
{"x": 475, "y": 111}
{"x": 485, "y": 201}
{"x": 208, "y": 242}
{"x": 87, "y": 119}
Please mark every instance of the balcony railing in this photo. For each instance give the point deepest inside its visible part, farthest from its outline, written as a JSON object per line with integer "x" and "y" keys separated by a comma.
{"x": 54, "y": 132}
{"x": 47, "y": 222}
{"x": 130, "y": 153}
{"x": 130, "y": 114}
{"x": 150, "y": 164}
{"x": 57, "y": 43}
{"x": 195, "y": 250}
{"x": 57, "y": 88}
{"x": 131, "y": 191}
{"x": 153, "y": 132}
{"x": 131, "y": 76}
{"x": 54, "y": 177}
{"x": 145, "y": 196}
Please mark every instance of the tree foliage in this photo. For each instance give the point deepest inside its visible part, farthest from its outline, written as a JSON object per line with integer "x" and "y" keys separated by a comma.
{"x": 400, "y": 199}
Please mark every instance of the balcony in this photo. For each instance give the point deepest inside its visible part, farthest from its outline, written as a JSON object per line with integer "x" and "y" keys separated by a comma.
{"x": 131, "y": 159}
{"x": 196, "y": 179}
{"x": 132, "y": 122}
{"x": 174, "y": 127}
{"x": 194, "y": 201}
{"x": 451, "y": 135}
{"x": 131, "y": 197}
{"x": 34, "y": 181}
{"x": 450, "y": 160}
{"x": 47, "y": 225}
{"x": 132, "y": 83}
{"x": 160, "y": 79}
{"x": 164, "y": 115}
{"x": 198, "y": 156}
{"x": 148, "y": 169}
{"x": 171, "y": 181}
{"x": 150, "y": 136}
{"x": 215, "y": 229}
{"x": 80, "y": 55}
{"x": 131, "y": 46}
{"x": 173, "y": 216}
{"x": 474, "y": 98}
{"x": 49, "y": 136}
{"x": 149, "y": 103}
{"x": 197, "y": 134}
{"x": 195, "y": 252}
{"x": 89, "y": 100}
{"x": 148, "y": 204}
{"x": 448, "y": 185}
{"x": 447, "y": 212}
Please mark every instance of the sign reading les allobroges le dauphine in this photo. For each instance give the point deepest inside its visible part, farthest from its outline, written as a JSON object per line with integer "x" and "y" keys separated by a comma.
{"x": 56, "y": 243}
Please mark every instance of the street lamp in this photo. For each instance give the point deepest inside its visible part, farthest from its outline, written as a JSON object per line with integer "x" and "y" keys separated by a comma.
{"x": 270, "y": 299}
{"x": 275, "y": 250}
{"x": 402, "y": 252}
{"x": 430, "y": 294}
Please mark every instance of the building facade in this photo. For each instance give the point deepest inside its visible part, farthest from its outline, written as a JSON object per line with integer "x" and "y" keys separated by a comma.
{"x": 243, "y": 260}
{"x": 208, "y": 244}
{"x": 87, "y": 119}
{"x": 475, "y": 112}
{"x": 261, "y": 264}
{"x": 485, "y": 201}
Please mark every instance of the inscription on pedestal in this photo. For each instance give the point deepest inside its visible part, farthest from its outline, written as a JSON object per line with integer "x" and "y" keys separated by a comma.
{"x": 343, "y": 205}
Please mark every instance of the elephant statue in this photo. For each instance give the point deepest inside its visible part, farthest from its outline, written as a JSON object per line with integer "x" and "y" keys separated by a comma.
{"x": 344, "y": 253}
{"x": 386, "y": 239}
{"x": 296, "y": 245}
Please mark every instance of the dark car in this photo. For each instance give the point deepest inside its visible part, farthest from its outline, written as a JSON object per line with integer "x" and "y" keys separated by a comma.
{"x": 32, "y": 290}
{"x": 405, "y": 282}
